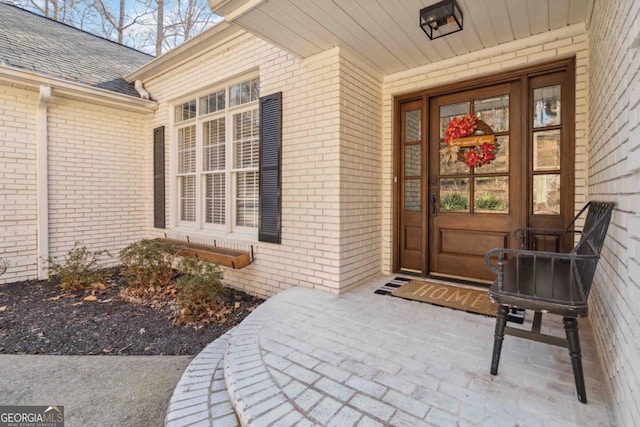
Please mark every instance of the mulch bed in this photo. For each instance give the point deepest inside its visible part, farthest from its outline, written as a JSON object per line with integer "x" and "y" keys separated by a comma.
{"x": 37, "y": 318}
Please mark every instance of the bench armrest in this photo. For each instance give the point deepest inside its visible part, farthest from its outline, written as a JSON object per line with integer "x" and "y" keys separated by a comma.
{"x": 534, "y": 256}
{"x": 498, "y": 268}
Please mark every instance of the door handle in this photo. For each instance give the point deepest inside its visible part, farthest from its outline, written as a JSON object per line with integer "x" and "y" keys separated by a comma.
{"x": 434, "y": 211}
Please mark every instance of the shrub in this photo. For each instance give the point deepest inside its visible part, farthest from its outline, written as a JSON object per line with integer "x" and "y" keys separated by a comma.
{"x": 454, "y": 202}
{"x": 4, "y": 264}
{"x": 149, "y": 263}
{"x": 79, "y": 268}
{"x": 489, "y": 203}
{"x": 200, "y": 289}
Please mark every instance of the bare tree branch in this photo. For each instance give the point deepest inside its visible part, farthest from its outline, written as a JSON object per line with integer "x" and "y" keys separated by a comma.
{"x": 148, "y": 25}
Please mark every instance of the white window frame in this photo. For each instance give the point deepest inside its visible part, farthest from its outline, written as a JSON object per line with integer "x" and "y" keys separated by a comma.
{"x": 177, "y": 175}
{"x": 229, "y": 229}
{"x": 220, "y": 228}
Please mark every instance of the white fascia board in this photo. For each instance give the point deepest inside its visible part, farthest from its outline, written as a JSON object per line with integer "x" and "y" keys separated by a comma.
{"x": 231, "y": 8}
{"x": 212, "y": 38}
{"x": 234, "y": 14}
{"x": 65, "y": 89}
{"x": 214, "y": 5}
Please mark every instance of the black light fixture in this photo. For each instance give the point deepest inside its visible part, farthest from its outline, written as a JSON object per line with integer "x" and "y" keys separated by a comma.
{"x": 441, "y": 19}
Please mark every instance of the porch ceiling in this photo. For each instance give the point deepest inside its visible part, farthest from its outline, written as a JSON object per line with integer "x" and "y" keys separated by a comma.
{"x": 386, "y": 33}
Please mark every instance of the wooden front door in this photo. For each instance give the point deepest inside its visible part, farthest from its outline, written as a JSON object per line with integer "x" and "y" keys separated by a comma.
{"x": 448, "y": 215}
{"x": 474, "y": 209}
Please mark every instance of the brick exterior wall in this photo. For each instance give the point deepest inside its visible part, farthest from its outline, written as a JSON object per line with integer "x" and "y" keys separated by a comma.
{"x": 614, "y": 174}
{"x": 360, "y": 165}
{"x": 563, "y": 43}
{"x": 18, "y": 183}
{"x": 96, "y": 178}
{"x": 330, "y": 162}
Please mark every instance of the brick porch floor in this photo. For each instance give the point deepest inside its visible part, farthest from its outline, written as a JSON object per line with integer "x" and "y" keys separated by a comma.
{"x": 306, "y": 357}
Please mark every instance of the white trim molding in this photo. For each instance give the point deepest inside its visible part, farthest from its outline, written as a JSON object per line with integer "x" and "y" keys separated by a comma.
{"x": 30, "y": 80}
{"x": 242, "y": 9}
{"x": 42, "y": 181}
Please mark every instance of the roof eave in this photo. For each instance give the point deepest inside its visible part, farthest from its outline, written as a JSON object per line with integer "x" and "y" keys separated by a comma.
{"x": 232, "y": 9}
{"x": 207, "y": 40}
{"x": 32, "y": 81}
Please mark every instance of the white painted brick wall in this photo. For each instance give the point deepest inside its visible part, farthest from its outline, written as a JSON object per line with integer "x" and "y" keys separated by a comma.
{"x": 614, "y": 174}
{"x": 330, "y": 162}
{"x": 97, "y": 171}
{"x": 360, "y": 166}
{"x": 96, "y": 178}
{"x": 566, "y": 42}
{"x": 18, "y": 183}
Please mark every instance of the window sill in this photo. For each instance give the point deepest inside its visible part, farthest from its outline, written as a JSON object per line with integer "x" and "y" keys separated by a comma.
{"x": 210, "y": 233}
{"x": 222, "y": 256}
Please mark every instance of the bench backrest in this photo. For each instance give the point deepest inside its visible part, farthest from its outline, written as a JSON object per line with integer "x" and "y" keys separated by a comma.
{"x": 591, "y": 240}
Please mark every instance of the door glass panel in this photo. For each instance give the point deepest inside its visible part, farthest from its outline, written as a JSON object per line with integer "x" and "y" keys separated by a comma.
{"x": 546, "y": 194}
{"x": 412, "y": 195}
{"x": 491, "y": 194}
{"x": 451, "y": 167}
{"x": 412, "y": 160}
{"x": 546, "y": 106}
{"x": 454, "y": 195}
{"x": 501, "y": 162}
{"x": 413, "y": 125}
{"x": 448, "y": 112}
{"x": 494, "y": 112}
{"x": 546, "y": 150}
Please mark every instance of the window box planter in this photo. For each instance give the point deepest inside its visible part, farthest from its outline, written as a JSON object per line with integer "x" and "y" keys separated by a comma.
{"x": 222, "y": 256}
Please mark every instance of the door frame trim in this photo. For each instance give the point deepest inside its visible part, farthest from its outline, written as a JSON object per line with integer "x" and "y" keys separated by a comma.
{"x": 490, "y": 80}
{"x": 557, "y": 65}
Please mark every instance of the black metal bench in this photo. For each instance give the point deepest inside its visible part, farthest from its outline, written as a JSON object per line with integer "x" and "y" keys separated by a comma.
{"x": 549, "y": 282}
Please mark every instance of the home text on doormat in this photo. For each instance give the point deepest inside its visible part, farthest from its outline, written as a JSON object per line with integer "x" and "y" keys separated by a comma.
{"x": 471, "y": 300}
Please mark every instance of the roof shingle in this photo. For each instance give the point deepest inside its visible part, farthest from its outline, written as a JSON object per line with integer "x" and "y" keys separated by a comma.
{"x": 32, "y": 42}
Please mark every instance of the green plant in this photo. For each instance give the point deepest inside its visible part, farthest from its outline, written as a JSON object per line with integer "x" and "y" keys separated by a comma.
{"x": 200, "y": 289}
{"x": 454, "y": 202}
{"x": 149, "y": 263}
{"x": 79, "y": 268}
{"x": 489, "y": 202}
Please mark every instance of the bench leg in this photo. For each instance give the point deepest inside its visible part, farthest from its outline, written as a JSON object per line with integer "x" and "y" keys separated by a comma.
{"x": 498, "y": 337}
{"x": 571, "y": 328}
{"x": 537, "y": 322}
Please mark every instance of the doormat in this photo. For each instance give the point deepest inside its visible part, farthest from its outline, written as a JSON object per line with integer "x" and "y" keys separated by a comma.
{"x": 392, "y": 286}
{"x": 458, "y": 298}
{"x": 464, "y": 299}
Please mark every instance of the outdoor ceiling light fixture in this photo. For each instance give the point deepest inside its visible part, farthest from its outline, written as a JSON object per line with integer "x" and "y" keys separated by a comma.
{"x": 441, "y": 19}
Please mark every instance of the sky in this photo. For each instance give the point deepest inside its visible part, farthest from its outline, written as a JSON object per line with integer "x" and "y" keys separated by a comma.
{"x": 141, "y": 35}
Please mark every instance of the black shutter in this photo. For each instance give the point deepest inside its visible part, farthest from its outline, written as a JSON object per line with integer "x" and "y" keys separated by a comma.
{"x": 158, "y": 178}
{"x": 270, "y": 159}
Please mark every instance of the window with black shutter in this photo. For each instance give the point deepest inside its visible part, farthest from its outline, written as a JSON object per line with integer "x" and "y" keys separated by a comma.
{"x": 270, "y": 160}
{"x": 158, "y": 178}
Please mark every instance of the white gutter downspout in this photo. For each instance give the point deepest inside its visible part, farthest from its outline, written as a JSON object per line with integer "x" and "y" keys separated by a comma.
{"x": 42, "y": 181}
{"x": 140, "y": 89}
